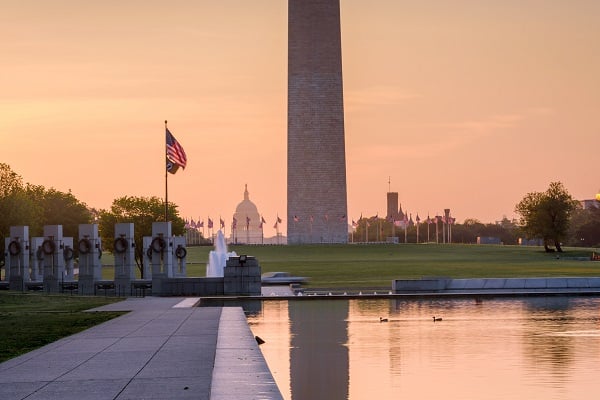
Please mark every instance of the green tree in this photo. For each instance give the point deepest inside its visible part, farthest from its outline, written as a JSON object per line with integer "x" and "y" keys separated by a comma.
{"x": 142, "y": 212}
{"x": 585, "y": 228}
{"x": 59, "y": 208}
{"x": 16, "y": 207}
{"x": 546, "y": 215}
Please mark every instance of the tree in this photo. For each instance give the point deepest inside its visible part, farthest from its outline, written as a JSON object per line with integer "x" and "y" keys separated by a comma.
{"x": 546, "y": 215}
{"x": 142, "y": 212}
{"x": 585, "y": 228}
{"x": 60, "y": 208}
{"x": 16, "y": 207}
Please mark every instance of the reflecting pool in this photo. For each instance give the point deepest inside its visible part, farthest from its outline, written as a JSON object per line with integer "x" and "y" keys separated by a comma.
{"x": 518, "y": 348}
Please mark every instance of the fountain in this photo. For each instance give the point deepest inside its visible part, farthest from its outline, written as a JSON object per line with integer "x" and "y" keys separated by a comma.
{"x": 218, "y": 257}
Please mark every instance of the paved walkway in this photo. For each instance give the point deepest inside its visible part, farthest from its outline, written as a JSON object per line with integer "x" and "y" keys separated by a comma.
{"x": 162, "y": 349}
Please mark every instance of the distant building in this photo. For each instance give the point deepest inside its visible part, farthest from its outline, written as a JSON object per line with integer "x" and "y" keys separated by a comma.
{"x": 247, "y": 222}
{"x": 392, "y": 206}
{"x": 587, "y": 204}
{"x": 530, "y": 242}
{"x": 488, "y": 240}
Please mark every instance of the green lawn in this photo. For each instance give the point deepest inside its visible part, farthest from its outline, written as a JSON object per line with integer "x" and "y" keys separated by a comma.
{"x": 377, "y": 265}
{"x": 32, "y": 320}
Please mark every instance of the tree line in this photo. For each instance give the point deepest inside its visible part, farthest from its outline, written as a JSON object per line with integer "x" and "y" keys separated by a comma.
{"x": 36, "y": 206}
{"x": 553, "y": 217}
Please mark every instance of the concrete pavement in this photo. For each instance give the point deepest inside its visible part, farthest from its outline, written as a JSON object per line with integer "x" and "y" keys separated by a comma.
{"x": 162, "y": 349}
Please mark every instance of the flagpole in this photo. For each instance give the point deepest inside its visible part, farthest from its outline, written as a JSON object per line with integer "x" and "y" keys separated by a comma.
{"x": 166, "y": 185}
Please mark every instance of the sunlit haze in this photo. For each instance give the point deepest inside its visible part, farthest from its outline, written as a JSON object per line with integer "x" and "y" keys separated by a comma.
{"x": 466, "y": 105}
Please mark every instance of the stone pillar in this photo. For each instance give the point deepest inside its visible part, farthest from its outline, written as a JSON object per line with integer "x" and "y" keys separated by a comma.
{"x": 161, "y": 248}
{"x": 179, "y": 257}
{"x": 90, "y": 252}
{"x": 17, "y": 257}
{"x": 124, "y": 253}
{"x": 242, "y": 276}
{"x": 69, "y": 256}
{"x": 147, "y": 259}
{"x": 37, "y": 259}
{"x": 316, "y": 192}
{"x": 54, "y": 262}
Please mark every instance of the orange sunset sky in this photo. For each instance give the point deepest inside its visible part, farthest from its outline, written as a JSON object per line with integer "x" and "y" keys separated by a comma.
{"x": 465, "y": 104}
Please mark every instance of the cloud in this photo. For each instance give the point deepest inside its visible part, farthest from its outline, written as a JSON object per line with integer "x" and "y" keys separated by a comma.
{"x": 483, "y": 126}
{"x": 376, "y": 96}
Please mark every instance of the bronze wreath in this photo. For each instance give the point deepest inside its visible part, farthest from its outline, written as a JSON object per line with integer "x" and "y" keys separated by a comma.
{"x": 120, "y": 245}
{"x": 48, "y": 246}
{"x": 14, "y": 248}
{"x": 158, "y": 244}
{"x": 180, "y": 252}
{"x": 84, "y": 246}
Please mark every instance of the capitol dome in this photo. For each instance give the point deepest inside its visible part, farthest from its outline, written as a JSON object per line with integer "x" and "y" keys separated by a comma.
{"x": 248, "y": 227}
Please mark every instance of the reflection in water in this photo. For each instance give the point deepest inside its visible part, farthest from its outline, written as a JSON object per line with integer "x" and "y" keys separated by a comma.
{"x": 525, "y": 348}
{"x": 318, "y": 355}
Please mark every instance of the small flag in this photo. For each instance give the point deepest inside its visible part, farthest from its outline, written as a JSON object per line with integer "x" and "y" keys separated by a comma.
{"x": 175, "y": 154}
{"x": 354, "y": 223}
{"x": 262, "y": 220}
{"x": 222, "y": 223}
{"x": 278, "y": 220}
{"x": 343, "y": 218}
{"x": 234, "y": 223}
{"x": 418, "y": 219}
{"x": 200, "y": 224}
{"x": 276, "y": 224}
{"x": 296, "y": 218}
{"x": 210, "y": 223}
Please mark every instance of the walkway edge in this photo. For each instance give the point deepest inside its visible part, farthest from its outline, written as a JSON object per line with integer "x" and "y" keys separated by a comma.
{"x": 240, "y": 370}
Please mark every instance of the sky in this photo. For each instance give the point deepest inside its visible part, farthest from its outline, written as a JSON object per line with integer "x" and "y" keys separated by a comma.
{"x": 467, "y": 105}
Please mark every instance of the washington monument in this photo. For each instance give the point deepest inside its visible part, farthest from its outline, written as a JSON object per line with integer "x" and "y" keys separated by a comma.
{"x": 317, "y": 205}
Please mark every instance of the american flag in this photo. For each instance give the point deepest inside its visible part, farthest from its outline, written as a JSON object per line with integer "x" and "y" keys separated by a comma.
{"x": 175, "y": 154}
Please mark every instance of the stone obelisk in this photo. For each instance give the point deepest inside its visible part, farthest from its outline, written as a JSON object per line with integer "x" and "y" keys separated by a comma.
{"x": 317, "y": 204}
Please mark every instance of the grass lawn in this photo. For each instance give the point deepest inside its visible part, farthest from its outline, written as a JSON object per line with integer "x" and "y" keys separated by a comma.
{"x": 32, "y": 320}
{"x": 376, "y": 265}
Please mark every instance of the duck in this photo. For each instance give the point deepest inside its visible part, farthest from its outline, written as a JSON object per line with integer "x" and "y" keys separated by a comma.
{"x": 436, "y": 319}
{"x": 383, "y": 319}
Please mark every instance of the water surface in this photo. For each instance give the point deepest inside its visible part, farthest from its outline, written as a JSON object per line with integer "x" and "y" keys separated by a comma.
{"x": 520, "y": 348}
